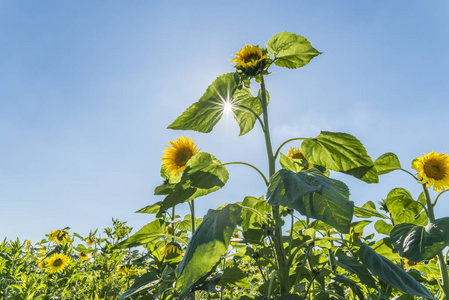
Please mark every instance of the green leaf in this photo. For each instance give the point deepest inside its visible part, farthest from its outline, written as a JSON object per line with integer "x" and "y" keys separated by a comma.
{"x": 203, "y": 115}
{"x": 141, "y": 283}
{"x": 368, "y": 210}
{"x": 404, "y": 209}
{"x": 291, "y": 50}
{"x": 340, "y": 152}
{"x": 204, "y": 174}
{"x": 391, "y": 273}
{"x": 419, "y": 243}
{"x": 352, "y": 265}
{"x": 383, "y": 227}
{"x": 386, "y": 163}
{"x": 292, "y": 164}
{"x": 242, "y": 101}
{"x": 149, "y": 233}
{"x": 314, "y": 195}
{"x": 385, "y": 248}
{"x": 234, "y": 277}
{"x": 253, "y": 220}
{"x": 208, "y": 243}
{"x": 151, "y": 209}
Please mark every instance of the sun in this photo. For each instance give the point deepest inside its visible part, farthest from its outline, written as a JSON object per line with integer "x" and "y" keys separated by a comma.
{"x": 176, "y": 157}
{"x": 433, "y": 169}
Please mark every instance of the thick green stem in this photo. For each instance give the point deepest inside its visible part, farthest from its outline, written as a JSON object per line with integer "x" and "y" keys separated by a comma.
{"x": 192, "y": 214}
{"x": 278, "y": 242}
{"x": 249, "y": 165}
{"x": 441, "y": 258}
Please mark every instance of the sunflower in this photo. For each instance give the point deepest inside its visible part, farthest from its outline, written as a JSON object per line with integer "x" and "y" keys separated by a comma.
{"x": 408, "y": 263}
{"x": 433, "y": 169}
{"x": 57, "y": 263}
{"x": 177, "y": 156}
{"x": 83, "y": 255}
{"x": 124, "y": 270}
{"x": 297, "y": 154}
{"x": 171, "y": 248}
{"x": 89, "y": 241}
{"x": 251, "y": 60}
{"x": 59, "y": 236}
{"x": 236, "y": 236}
{"x": 168, "y": 230}
{"x": 42, "y": 264}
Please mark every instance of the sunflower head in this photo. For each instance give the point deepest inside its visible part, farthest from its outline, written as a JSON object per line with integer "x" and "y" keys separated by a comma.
{"x": 433, "y": 169}
{"x": 42, "y": 264}
{"x": 236, "y": 236}
{"x": 89, "y": 241}
{"x": 298, "y": 154}
{"x": 171, "y": 248}
{"x": 251, "y": 60}
{"x": 168, "y": 230}
{"x": 176, "y": 157}
{"x": 57, "y": 263}
{"x": 58, "y": 236}
{"x": 408, "y": 263}
{"x": 83, "y": 255}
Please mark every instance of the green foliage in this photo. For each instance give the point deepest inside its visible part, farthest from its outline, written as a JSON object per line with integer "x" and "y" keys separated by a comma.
{"x": 291, "y": 50}
{"x": 314, "y": 195}
{"x": 386, "y": 163}
{"x": 368, "y": 210}
{"x": 340, "y": 152}
{"x": 403, "y": 209}
{"x": 246, "y": 109}
{"x": 419, "y": 243}
{"x": 203, "y": 115}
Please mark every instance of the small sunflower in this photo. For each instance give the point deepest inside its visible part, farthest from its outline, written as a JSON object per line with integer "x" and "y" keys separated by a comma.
{"x": 83, "y": 255}
{"x": 89, "y": 241}
{"x": 59, "y": 236}
{"x": 177, "y": 156}
{"x": 251, "y": 60}
{"x": 297, "y": 154}
{"x": 408, "y": 263}
{"x": 236, "y": 236}
{"x": 433, "y": 169}
{"x": 171, "y": 248}
{"x": 168, "y": 230}
{"x": 57, "y": 263}
{"x": 42, "y": 264}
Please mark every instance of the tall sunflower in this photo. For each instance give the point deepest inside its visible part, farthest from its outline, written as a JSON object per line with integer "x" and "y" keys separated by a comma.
{"x": 177, "y": 156}
{"x": 251, "y": 60}
{"x": 297, "y": 154}
{"x": 57, "y": 263}
{"x": 433, "y": 169}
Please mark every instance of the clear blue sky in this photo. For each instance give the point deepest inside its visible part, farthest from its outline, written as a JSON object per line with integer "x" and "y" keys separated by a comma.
{"x": 87, "y": 89}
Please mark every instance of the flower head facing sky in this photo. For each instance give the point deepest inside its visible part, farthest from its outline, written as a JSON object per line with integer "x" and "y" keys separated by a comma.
{"x": 433, "y": 170}
{"x": 176, "y": 157}
{"x": 251, "y": 60}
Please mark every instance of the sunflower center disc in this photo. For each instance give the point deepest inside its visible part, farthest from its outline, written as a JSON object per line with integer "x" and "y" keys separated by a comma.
{"x": 251, "y": 56}
{"x": 434, "y": 171}
{"x": 57, "y": 262}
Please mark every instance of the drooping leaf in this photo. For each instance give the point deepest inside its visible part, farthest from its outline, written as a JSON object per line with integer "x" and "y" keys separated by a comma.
{"x": 291, "y": 50}
{"x": 404, "y": 209}
{"x": 419, "y": 243}
{"x": 208, "y": 243}
{"x": 314, "y": 195}
{"x": 141, "y": 283}
{"x": 383, "y": 227}
{"x": 147, "y": 234}
{"x": 368, "y": 210}
{"x": 352, "y": 265}
{"x": 204, "y": 174}
{"x": 151, "y": 209}
{"x": 386, "y": 163}
{"x": 234, "y": 277}
{"x": 391, "y": 273}
{"x": 253, "y": 220}
{"x": 203, "y": 115}
{"x": 242, "y": 101}
{"x": 340, "y": 152}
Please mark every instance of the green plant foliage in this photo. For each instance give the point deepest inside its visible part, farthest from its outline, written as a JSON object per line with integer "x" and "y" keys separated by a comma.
{"x": 234, "y": 277}
{"x": 242, "y": 101}
{"x": 292, "y": 164}
{"x": 419, "y": 243}
{"x": 383, "y": 227}
{"x": 141, "y": 283}
{"x": 403, "y": 209}
{"x": 291, "y": 50}
{"x": 254, "y": 218}
{"x": 386, "y": 163}
{"x": 204, "y": 174}
{"x": 391, "y": 273}
{"x": 147, "y": 234}
{"x": 209, "y": 242}
{"x": 340, "y": 152}
{"x": 352, "y": 265}
{"x": 368, "y": 210}
{"x": 314, "y": 195}
{"x": 203, "y": 115}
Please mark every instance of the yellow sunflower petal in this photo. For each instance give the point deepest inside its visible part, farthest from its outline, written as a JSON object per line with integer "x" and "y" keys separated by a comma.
{"x": 433, "y": 170}
{"x": 176, "y": 157}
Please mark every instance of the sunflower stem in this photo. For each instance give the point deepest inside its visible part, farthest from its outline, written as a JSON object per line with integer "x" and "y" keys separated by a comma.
{"x": 278, "y": 240}
{"x": 254, "y": 113}
{"x": 441, "y": 259}
{"x": 192, "y": 214}
{"x": 249, "y": 165}
{"x": 283, "y": 144}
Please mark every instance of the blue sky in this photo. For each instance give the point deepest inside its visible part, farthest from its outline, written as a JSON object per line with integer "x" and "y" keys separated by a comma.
{"x": 87, "y": 90}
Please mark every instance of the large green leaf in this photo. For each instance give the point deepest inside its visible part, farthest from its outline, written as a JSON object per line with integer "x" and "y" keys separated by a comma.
{"x": 403, "y": 209}
{"x": 386, "y": 163}
{"x": 243, "y": 103}
{"x": 204, "y": 174}
{"x": 203, "y": 115}
{"x": 340, "y": 152}
{"x": 253, "y": 215}
{"x": 352, "y": 265}
{"x": 291, "y": 50}
{"x": 383, "y": 227}
{"x": 314, "y": 195}
{"x": 147, "y": 234}
{"x": 419, "y": 243}
{"x": 141, "y": 283}
{"x": 391, "y": 273}
{"x": 209, "y": 242}
{"x": 368, "y": 210}
{"x": 234, "y": 277}
{"x": 385, "y": 248}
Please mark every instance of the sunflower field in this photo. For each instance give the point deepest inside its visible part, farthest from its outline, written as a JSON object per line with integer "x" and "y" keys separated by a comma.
{"x": 301, "y": 238}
